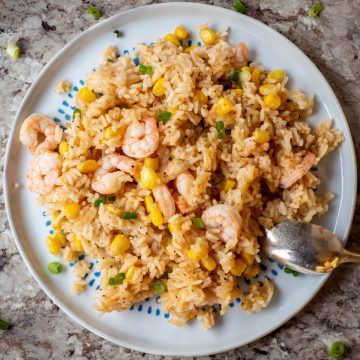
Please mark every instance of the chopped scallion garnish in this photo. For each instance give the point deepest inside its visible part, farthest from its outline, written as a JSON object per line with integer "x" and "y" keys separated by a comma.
{"x": 99, "y": 200}
{"x": 117, "y": 279}
{"x": 239, "y": 6}
{"x": 118, "y": 33}
{"x": 4, "y": 325}
{"x": 337, "y": 350}
{"x": 143, "y": 69}
{"x": 55, "y": 267}
{"x": 13, "y": 50}
{"x": 220, "y": 128}
{"x": 111, "y": 198}
{"x": 76, "y": 111}
{"x": 164, "y": 117}
{"x": 159, "y": 287}
{"x": 197, "y": 222}
{"x": 129, "y": 215}
{"x": 315, "y": 10}
{"x": 95, "y": 12}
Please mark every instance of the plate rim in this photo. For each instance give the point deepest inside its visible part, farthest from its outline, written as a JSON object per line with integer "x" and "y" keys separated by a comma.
{"x": 27, "y": 262}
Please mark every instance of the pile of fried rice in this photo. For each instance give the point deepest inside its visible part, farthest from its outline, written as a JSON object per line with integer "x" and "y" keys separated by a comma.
{"x": 230, "y": 154}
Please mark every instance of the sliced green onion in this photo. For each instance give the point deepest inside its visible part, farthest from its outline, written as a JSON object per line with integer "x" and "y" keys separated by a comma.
{"x": 118, "y": 33}
{"x": 4, "y": 325}
{"x": 337, "y": 350}
{"x": 76, "y": 111}
{"x": 99, "y": 200}
{"x": 55, "y": 267}
{"x": 13, "y": 50}
{"x": 291, "y": 271}
{"x": 239, "y": 6}
{"x": 117, "y": 279}
{"x": 220, "y": 128}
{"x": 315, "y": 10}
{"x": 159, "y": 287}
{"x": 197, "y": 222}
{"x": 234, "y": 76}
{"x": 143, "y": 69}
{"x": 164, "y": 116}
{"x": 129, "y": 215}
{"x": 95, "y": 12}
{"x": 111, "y": 198}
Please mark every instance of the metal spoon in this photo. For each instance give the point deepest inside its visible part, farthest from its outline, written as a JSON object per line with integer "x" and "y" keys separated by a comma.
{"x": 307, "y": 248}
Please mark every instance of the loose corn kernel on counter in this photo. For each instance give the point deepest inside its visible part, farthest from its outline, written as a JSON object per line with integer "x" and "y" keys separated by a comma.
{"x": 170, "y": 170}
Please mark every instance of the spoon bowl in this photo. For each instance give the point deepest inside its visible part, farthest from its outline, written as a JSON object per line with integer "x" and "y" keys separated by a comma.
{"x": 307, "y": 248}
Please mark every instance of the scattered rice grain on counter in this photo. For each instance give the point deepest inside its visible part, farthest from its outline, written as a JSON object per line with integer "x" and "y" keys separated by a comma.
{"x": 169, "y": 171}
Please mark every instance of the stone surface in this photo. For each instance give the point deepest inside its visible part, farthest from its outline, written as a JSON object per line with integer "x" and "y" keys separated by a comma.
{"x": 41, "y": 331}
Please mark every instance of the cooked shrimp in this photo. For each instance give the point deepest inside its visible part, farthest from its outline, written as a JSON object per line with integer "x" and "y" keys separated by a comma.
{"x": 43, "y": 172}
{"x": 165, "y": 200}
{"x": 109, "y": 181}
{"x": 290, "y": 176}
{"x": 141, "y": 140}
{"x": 226, "y": 219}
{"x": 241, "y": 55}
{"x": 182, "y": 205}
{"x": 31, "y": 130}
{"x": 184, "y": 183}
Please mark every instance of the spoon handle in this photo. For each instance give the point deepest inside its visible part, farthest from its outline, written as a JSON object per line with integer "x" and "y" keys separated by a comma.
{"x": 348, "y": 256}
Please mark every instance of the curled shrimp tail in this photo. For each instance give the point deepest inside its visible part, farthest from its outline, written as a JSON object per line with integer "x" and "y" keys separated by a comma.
{"x": 241, "y": 55}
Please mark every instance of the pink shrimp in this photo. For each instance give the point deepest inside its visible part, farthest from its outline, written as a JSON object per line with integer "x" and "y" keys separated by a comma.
{"x": 165, "y": 200}
{"x": 290, "y": 176}
{"x": 241, "y": 55}
{"x": 35, "y": 125}
{"x": 43, "y": 172}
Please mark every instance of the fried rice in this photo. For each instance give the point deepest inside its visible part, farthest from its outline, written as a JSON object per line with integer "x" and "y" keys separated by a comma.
{"x": 242, "y": 158}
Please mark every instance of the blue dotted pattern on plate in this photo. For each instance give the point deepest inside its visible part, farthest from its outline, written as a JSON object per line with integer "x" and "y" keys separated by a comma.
{"x": 151, "y": 306}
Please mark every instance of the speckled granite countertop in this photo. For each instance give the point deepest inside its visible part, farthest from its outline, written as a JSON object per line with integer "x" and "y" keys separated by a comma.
{"x": 41, "y": 331}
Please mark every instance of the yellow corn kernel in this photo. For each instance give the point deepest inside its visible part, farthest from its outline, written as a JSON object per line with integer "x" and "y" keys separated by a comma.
{"x": 255, "y": 77}
{"x": 172, "y": 153}
{"x": 223, "y": 106}
{"x": 272, "y": 101}
{"x": 181, "y": 33}
{"x": 130, "y": 273}
{"x": 56, "y": 221}
{"x": 229, "y": 184}
{"x": 85, "y": 94}
{"x": 63, "y": 148}
{"x": 200, "y": 97}
{"x": 277, "y": 75}
{"x": 198, "y": 253}
{"x": 172, "y": 38}
{"x": 208, "y": 36}
{"x": 76, "y": 244}
{"x": 261, "y": 136}
{"x": 149, "y": 202}
{"x": 208, "y": 263}
{"x": 112, "y": 209}
{"x": 237, "y": 92}
{"x": 72, "y": 210}
{"x": 156, "y": 216}
{"x": 172, "y": 111}
{"x": 137, "y": 171}
{"x": 55, "y": 242}
{"x": 148, "y": 178}
{"x": 171, "y": 228}
{"x": 119, "y": 245}
{"x": 190, "y": 48}
{"x": 238, "y": 267}
{"x": 87, "y": 166}
{"x": 152, "y": 163}
{"x": 255, "y": 269}
{"x": 248, "y": 258}
{"x": 159, "y": 87}
{"x": 266, "y": 88}
{"x": 112, "y": 132}
{"x": 246, "y": 68}
{"x": 244, "y": 76}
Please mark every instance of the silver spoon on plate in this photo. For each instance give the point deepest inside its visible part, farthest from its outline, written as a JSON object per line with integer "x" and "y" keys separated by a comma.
{"x": 306, "y": 248}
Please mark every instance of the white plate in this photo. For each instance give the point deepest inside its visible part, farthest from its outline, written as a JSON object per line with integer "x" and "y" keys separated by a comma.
{"x": 145, "y": 328}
